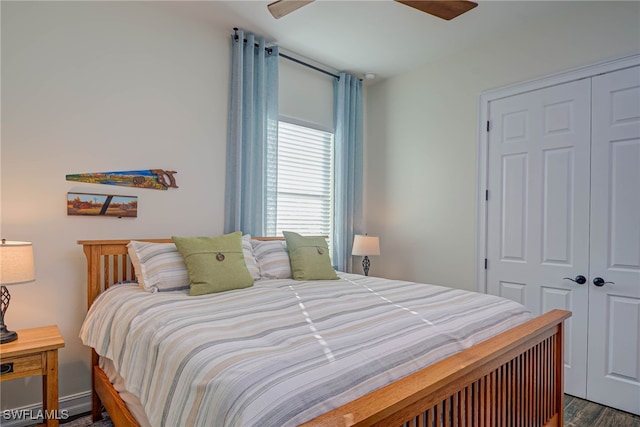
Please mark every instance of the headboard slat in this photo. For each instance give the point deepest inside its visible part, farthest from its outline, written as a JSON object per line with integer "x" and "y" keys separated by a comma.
{"x": 116, "y": 268}
{"x": 106, "y": 277}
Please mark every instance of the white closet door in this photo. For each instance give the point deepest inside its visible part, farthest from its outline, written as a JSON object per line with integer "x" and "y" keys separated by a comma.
{"x": 538, "y": 208}
{"x": 614, "y": 308}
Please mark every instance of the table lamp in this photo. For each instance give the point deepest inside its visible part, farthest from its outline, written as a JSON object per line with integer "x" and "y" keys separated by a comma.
{"x": 365, "y": 246}
{"x": 16, "y": 266}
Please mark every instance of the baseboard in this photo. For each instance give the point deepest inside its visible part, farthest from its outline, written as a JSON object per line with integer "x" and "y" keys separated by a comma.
{"x": 70, "y": 405}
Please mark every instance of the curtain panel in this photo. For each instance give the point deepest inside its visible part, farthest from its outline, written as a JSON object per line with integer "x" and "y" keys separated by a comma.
{"x": 348, "y": 167}
{"x": 252, "y": 136}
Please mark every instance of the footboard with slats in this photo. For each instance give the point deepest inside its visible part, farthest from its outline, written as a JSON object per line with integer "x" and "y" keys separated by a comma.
{"x": 513, "y": 379}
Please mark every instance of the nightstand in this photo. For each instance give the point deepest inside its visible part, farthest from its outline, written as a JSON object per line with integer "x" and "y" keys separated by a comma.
{"x": 35, "y": 352}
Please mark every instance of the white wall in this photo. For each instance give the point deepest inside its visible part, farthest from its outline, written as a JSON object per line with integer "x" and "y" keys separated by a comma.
{"x": 106, "y": 86}
{"x": 422, "y": 135}
{"x": 102, "y": 86}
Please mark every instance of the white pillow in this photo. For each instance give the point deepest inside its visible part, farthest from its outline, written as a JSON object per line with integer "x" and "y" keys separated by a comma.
{"x": 158, "y": 266}
{"x": 249, "y": 259}
{"x": 273, "y": 259}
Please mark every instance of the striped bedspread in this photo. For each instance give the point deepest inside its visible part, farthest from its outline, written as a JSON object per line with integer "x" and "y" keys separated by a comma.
{"x": 282, "y": 352}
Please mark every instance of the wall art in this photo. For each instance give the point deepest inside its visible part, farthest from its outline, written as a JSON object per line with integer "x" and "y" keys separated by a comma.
{"x": 102, "y": 205}
{"x": 157, "y": 179}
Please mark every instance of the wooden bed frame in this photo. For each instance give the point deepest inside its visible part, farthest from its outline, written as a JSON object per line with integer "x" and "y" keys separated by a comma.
{"x": 513, "y": 379}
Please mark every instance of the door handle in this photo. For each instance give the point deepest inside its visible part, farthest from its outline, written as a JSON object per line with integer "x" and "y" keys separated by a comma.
{"x": 599, "y": 281}
{"x": 580, "y": 280}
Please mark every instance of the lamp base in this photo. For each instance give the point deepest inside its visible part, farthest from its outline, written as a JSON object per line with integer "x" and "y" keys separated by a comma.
{"x": 365, "y": 265}
{"x": 6, "y": 335}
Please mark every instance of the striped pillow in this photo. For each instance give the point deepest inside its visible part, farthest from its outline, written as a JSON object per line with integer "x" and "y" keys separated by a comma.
{"x": 273, "y": 259}
{"x": 158, "y": 266}
{"x": 249, "y": 259}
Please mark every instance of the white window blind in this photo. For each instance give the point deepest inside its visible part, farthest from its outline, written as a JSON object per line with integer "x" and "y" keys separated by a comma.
{"x": 305, "y": 180}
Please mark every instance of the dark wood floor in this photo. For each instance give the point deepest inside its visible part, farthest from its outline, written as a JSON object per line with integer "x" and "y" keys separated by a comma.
{"x": 582, "y": 413}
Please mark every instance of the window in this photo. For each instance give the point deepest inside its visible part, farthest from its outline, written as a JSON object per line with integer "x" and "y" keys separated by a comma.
{"x": 305, "y": 180}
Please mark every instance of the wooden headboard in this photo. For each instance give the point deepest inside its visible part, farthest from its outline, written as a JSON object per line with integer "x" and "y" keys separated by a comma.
{"x": 108, "y": 263}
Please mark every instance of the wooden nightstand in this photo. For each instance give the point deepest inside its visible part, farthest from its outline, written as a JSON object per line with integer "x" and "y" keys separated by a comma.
{"x": 35, "y": 352}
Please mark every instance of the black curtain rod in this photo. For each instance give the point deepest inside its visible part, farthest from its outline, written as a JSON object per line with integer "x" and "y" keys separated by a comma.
{"x": 290, "y": 58}
{"x": 313, "y": 67}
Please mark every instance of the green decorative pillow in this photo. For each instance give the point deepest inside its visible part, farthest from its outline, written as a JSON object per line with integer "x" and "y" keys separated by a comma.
{"x": 215, "y": 264}
{"x": 309, "y": 257}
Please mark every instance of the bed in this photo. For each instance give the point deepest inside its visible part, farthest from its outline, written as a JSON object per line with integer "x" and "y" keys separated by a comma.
{"x": 512, "y": 378}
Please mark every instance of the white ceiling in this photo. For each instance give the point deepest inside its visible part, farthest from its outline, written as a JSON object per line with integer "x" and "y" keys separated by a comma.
{"x": 377, "y": 36}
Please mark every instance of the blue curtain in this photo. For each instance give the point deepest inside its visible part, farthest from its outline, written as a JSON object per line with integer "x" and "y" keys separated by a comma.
{"x": 348, "y": 167}
{"x": 252, "y": 137}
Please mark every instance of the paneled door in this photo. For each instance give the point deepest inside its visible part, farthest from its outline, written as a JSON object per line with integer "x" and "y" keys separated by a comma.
{"x": 563, "y": 222}
{"x": 614, "y": 301}
{"x": 538, "y": 209}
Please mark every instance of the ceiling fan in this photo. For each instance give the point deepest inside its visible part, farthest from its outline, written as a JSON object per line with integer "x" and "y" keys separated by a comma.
{"x": 441, "y": 8}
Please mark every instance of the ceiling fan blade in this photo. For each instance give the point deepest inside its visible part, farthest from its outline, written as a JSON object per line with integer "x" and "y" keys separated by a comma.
{"x": 282, "y": 8}
{"x": 442, "y": 9}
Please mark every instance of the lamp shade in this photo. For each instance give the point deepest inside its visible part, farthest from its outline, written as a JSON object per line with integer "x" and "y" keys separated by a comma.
{"x": 365, "y": 245}
{"x": 16, "y": 262}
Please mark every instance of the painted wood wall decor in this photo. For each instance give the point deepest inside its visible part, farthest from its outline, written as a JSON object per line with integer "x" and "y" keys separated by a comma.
{"x": 157, "y": 179}
{"x": 87, "y": 204}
